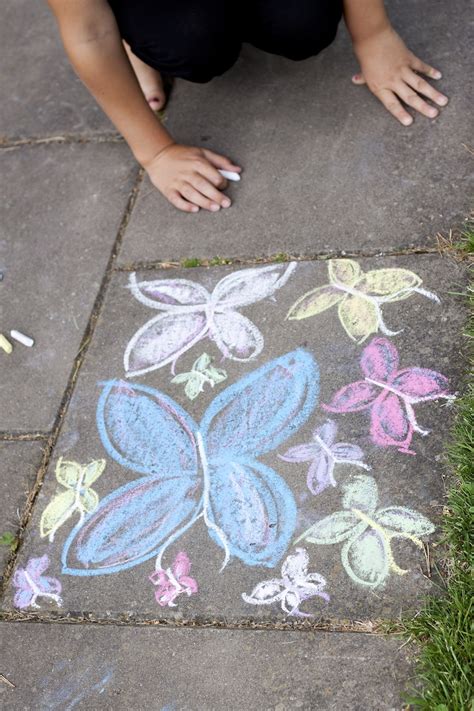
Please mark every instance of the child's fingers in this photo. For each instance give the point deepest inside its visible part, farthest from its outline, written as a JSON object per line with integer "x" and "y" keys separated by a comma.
{"x": 200, "y": 183}
{"x": 411, "y": 98}
{"x": 392, "y": 104}
{"x": 422, "y": 87}
{"x": 197, "y": 198}
{"x": 178, "y": 201}
{"x": 212, "y": 174}
{"x": 220, "y": 161}
{"x": 424, "y": 68}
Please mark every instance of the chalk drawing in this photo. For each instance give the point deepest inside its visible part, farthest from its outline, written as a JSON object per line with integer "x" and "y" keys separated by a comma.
{"x": 367, "y": 532}
{"x": 324, "y": 454}
{"x": 207, "y": 473}
{"x": 174, "y": 581}
{"x": 201, "y": 373}
{"x": 77, "y": 480}
{"x": 359, "y": 297}
{"x": 191, "y": 313}
{"x": 30, "y": 584}
{"x": 294, "y": 587}
{"x": 67, "y": 685}
{"x": 390, "y": 394}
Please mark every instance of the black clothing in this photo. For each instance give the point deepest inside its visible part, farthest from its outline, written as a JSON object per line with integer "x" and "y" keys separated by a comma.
{"x": 200, "y": 40}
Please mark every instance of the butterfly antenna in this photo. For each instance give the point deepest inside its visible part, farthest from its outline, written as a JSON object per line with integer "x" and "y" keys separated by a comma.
{"x": 428, "y": 294}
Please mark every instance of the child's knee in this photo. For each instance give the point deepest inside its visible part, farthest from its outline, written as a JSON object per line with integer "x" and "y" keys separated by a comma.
{"x": 305, "y": 29}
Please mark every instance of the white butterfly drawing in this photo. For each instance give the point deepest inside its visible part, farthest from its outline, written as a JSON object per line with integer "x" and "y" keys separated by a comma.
{"x": 294, "y": 587}
{"x": 189, "y": 313}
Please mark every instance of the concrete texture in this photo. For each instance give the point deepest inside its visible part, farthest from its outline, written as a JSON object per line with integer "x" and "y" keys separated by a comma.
{"x": 19, "y": 462}
{"x": 60, "y": 211}
{"x": 430, "y": 339}
{"x": 326, "y": 167}
{"x": 198, "y": 670}
{"x": 41, "y": 95}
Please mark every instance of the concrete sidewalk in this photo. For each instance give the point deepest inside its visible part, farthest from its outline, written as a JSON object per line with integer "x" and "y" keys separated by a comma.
{"x": 237, "y": 468}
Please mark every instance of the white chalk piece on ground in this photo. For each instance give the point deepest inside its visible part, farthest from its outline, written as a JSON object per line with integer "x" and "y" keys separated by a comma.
{"x": 5, "y": 344}
{"x": 21, "y": 338}
{"x": 230, "y": 175}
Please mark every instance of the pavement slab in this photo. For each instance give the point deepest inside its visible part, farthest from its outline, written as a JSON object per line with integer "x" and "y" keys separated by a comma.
{"x": 206, "y": 503}
{"x": 42, "y": 96}
{"x": 326, "y": 168}
{"x": 168, "y": 669}
{"x": 60, "y": 211}
{"x": 19, "y": 464}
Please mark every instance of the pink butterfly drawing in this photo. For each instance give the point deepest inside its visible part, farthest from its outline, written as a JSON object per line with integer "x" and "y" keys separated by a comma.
{"x": 324, "y": 453}
{"x": 294, "y": 587}
{"x": 30, "y": 584}
{"x": 390, "y": 394}
{"x": 174, "y": 581}
{"x": 190, "y": 313}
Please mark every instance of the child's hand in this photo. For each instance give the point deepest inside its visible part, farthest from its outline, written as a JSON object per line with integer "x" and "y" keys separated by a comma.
{"x": 390, "y": 71}
{"x": 189, "y": 179}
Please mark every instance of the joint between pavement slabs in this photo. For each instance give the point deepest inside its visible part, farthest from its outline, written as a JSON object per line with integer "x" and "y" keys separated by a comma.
{"x": 271, "y": 259}
{"x": 52, "y": 437}
{"x": 375, "y": 627}
{"x": 23, "y": 436}
{"x": 9, "y": 143}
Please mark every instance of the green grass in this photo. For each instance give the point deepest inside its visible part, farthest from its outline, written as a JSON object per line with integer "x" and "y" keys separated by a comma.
{"x": 444, "y": 629}
{"x": 191, "y": 262}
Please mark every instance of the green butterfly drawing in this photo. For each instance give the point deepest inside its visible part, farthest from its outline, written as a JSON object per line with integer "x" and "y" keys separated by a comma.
{"x": 367, "y": 533}
{"x": 78, "y": 496}
{"x": 359, "y": 297}
{"x": 201, "y": 373}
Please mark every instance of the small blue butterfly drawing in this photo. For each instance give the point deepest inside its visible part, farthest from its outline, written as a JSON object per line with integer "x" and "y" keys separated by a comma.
{"x": 190, "y": 473}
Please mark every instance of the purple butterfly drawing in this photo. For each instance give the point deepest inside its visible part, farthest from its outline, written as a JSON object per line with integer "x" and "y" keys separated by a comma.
{"x": 390, "y": 393}
{"x": 31, "y": 583}
{"x": 324, "y": 453}
{"x": 191, "y": 474}
{"x": 190, "y": 313}
{"x": 294, "y": 587}
{"x": 173, "y": 581}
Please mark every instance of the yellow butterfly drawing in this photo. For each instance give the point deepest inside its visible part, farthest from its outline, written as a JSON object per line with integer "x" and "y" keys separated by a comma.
{"x": 78, "y": 495}
{"x": 359, "y": 297}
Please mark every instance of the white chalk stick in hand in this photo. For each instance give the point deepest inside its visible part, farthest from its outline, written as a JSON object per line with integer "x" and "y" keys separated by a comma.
{"x": 21, "y": 338}
{"x": 230, "y": 175}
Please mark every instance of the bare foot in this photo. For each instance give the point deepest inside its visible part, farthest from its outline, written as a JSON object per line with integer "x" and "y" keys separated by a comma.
{"x": 149, "y": 79}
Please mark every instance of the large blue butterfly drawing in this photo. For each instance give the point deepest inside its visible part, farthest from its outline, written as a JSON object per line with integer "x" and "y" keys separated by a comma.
{"x": 208, "y": 472}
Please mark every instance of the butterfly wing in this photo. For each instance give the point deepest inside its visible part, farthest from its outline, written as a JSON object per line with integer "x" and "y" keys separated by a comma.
{"x": 359, "y": 317}
{"x": 168, "y": 294}
{"x": 253, "y": 508}
{"x": 390, "y": 425}
{"x": 263, "y": 409}
{"x": 236, "y": 336}
{"x": 379, "y": 360}
{"x": 315, "y": 302}
{"x": 393, "y": 284}
{"x": 354, "y": 397}
{"x": 421, "y": 384}
{"x": 131, "y": 524}
{"x": 250, "y": 285}
{"x": 162, "y": 340}
{"x": 321, "y": 473}
{"x": 146, "y": 431}
{"x": 365, "y": 559}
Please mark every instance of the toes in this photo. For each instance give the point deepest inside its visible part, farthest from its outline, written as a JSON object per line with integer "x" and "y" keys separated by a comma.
{"x": 156, "y": 102}
{"x": 358, "y": 79}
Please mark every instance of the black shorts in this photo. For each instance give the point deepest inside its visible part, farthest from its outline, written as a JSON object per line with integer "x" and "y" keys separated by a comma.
{"x": 200, "y": 40}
